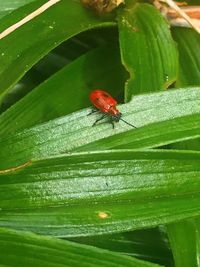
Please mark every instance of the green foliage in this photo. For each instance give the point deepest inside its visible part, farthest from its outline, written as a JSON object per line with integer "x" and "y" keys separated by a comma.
{"x": 188, "y": 45}
{"x": 43, "y": 107}
{"x": 45, "y": 251}
{"x": 69, "y": 19}
{"x": 147, "y": 187}
{"x": 186, "y": 234}
{"x": 96, "y": 190}
{"x": 9, "y": 5}
{"x": 146, "y": 45}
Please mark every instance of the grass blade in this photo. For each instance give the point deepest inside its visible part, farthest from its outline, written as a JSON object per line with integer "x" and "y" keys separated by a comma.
{"x": 101, "y": 192}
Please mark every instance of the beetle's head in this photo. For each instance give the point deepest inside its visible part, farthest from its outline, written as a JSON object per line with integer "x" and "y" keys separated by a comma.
{"x": 116, "y": 117}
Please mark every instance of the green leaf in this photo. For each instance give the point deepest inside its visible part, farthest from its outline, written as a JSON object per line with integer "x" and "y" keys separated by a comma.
{"x": 188, "y": 42}
{"x": 93, "y": 193}
{"x": 183, "y": 235}
{"x": 197, "y": 228}
{"x": 9, "y": 5}
{"x": 147, "y": 49}
{"x": 146, "y": 244}
{"x": 161, "y": 118}
{"x": 36, "y": 38}
{"x": 184, "y": 242}
{"x": 62, "y": 94}
{"x": 57, "y": 59}
{"x": 22, "y": 249}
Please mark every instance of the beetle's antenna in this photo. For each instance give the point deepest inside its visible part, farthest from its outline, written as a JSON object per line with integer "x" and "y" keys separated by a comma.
{"x": 128, "y": 123}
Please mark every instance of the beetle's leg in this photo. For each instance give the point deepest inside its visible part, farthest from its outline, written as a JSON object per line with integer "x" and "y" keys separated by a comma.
{"x": 101, "y": 118}
{"x": 113, "y": 124}
{"x": 92, "y": 111}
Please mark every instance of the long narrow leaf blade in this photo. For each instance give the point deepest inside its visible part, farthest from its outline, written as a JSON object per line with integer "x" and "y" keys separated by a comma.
{"x": 20, "y": 50}
{"x": 62, "y": 94}
{"x": 101, "y": 192}
{"x": 188, "y": 42}
{"x": 161, "y": 118}
{"x": 149, "y": 244}
{"x": 147, "y": 49}
{"x": 27, "y": 249}
{"x": 9, "y": 5}
{"x": 184, "y": 242}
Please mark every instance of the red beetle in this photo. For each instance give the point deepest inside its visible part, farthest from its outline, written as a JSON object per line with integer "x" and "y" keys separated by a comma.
{"x": 106, "y": 104}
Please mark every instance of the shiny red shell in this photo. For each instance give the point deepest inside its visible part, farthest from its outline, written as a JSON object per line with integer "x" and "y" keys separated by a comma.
{"x": 104, "y": 102}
